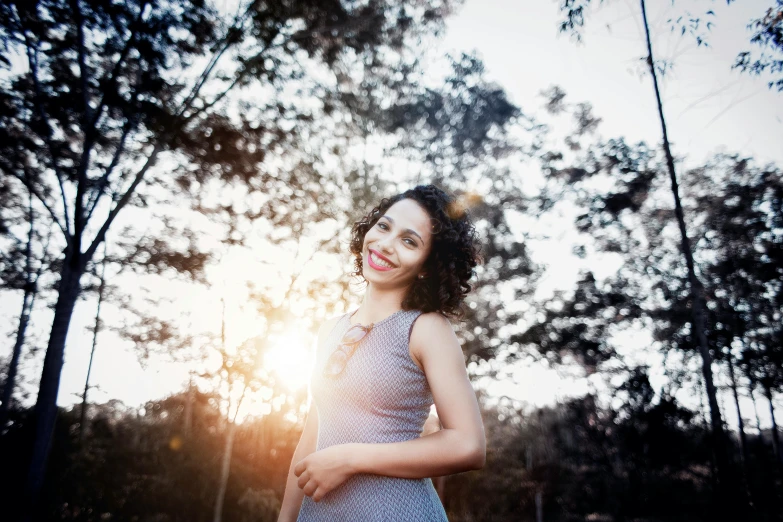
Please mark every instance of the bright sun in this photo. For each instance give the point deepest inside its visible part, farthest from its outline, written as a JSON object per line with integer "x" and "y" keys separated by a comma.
{"x": 290, "y": 359}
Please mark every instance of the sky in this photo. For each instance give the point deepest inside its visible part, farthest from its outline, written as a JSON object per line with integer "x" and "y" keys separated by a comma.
{"x": 709, "y": 108}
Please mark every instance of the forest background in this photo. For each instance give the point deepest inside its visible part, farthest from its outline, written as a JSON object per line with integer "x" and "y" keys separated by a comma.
{"x": 178, "y": 180}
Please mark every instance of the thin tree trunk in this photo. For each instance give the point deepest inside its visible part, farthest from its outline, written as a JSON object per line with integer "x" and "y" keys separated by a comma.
{"x": 697, "y": 291}
{"x": 755, "y": 408}
{"x": 225, "y": 467}
{"x": 743, "y": 440}
{"x": 740, "y": 422}
{"x": 188, "y": 409}
{"x": 24, "y": 319}
{"x": 10, "y": 381}
{"x": 775, "y": 434}
{"x": 539, "y": 506}
{"x": 752, "y": 389}
{"x": 101, "y": 287}
{"x": 45, "y": 412}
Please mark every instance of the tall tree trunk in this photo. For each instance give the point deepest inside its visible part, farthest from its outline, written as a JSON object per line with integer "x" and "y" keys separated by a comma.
{"x": 696, "y": 288}
{"x": 539, "y": 506}
{"x": 225, "y": 467}
{"x": 775, "y": 434}
{"x": 752, "y": 383}
{"x": 45, "y": 412}
{"x": 755, "y": 407}
{"x": 740, "y": 422}
{"x": 101, "y": 287}
{"x": 10, "y": 381}
{"x": 743, "y": 440}
{"x": 24, "y": 319}
{"x": 188, "y": 409}
{"x": 775, "y": 448}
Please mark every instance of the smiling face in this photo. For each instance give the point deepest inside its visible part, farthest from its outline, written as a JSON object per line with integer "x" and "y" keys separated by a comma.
{"x": 395, "y": 249}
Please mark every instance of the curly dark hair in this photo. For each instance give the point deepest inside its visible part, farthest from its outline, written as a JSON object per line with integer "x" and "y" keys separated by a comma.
{"x": 452, "y": 259}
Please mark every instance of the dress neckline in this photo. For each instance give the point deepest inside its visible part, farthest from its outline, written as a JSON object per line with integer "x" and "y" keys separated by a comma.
{"x": 351, "y": 314}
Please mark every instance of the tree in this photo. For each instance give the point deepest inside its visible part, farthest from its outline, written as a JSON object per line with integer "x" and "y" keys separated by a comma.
{"x": 468, "y": 137}
{"x": 96, "y": 329}
{"x": 768, "y": 36}
{"x": 239, "y": 375}
{"x": 575, "y": 18}
{"x": 19, "y": 272}
{"x": 732, "y": 204}
{"x": 112, "y": 95}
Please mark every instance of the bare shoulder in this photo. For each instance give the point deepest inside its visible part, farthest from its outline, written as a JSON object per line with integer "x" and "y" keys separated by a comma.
{"x": 432, "y": 334}
{"x": 326, "y": 328}
{"x": 328, "y": 325}
{"x": 431, "y": 323}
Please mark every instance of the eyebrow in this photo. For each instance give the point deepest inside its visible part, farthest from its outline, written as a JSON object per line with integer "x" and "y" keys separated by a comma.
{"x": 409, "y": 230}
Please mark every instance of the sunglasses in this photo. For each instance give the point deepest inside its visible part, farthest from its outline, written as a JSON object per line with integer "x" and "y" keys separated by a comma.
{"x": 345, "y": 349}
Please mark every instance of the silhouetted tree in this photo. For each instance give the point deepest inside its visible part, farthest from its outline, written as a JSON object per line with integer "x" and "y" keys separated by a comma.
{"x": 768, "y": 37}
{"x": 574, "y": 11}
{"x": 111, "y": 90}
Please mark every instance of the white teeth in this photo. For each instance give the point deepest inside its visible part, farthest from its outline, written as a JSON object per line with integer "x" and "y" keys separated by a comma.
{"x": 380, "y": 262}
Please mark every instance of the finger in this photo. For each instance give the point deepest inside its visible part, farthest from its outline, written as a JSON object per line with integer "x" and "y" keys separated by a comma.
{"x": 303, "y": 479}
{"x": 318, "y": 494}
{"x": 310, "y": 488}
{"x": 300, "y": 467}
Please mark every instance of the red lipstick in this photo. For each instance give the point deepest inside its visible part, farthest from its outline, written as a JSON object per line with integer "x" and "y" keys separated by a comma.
{"x": 375, "y": 266}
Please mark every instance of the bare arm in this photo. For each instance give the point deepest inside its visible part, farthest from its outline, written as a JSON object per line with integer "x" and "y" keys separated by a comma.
{"x": 459, "y": 446}
{"x": 292, "y": 498}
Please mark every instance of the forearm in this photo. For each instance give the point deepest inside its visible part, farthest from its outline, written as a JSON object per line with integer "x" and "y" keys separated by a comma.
{"x": 442, "y": 453}
{"x": 293, "y": 496}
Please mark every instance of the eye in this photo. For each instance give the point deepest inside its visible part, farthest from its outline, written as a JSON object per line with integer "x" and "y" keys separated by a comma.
{"x": 383, "y": 226}
{"x": 409, "y": 242}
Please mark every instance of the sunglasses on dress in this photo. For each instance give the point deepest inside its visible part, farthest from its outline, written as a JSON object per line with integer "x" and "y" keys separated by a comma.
{"x": 345, "y": 349}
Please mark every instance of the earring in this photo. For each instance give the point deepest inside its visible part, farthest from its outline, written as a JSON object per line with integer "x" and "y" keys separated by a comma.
{"x": 421, "y": 276}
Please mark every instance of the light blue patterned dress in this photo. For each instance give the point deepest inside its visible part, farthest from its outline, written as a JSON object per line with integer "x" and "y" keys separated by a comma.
{"x": 381, "y": 396}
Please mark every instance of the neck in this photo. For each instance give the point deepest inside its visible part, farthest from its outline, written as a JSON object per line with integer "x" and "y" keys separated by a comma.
{"x": 379, "y": 304}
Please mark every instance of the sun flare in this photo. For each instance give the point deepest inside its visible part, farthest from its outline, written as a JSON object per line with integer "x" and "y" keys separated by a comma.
{"x": 290, "y": 359}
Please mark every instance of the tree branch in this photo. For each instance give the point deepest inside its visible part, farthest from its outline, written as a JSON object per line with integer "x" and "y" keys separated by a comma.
{"x": 32, "y": 60}
{"x": 239, "y": 77}
{"x": 88, "y": 135}
{"x": 40, "y": 198}
{"x": 212, "y": 103}
{"x": 229, "y": 39}
{"x": 82, "y": 63}
{"x": 130, "y": 123}
{"x": 203, "y": 77}
{"x": 99, "y": 237}
{"x": 118, "y": 64}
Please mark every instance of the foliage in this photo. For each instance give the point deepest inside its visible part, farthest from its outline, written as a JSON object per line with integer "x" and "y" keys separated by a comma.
{"x": 646, "y": 459}
{"x": 140, "y": 465}
{"x": 768, "y": 37}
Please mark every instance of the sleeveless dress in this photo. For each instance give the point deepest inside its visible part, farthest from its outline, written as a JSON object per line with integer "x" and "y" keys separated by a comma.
{"x": 381, "y": 396}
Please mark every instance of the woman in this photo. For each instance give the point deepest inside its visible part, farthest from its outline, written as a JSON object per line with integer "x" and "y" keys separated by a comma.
{"x": 380, "y": 368}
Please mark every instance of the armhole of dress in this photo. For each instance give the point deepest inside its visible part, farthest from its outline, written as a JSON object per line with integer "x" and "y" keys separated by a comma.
{"x": 410, "y": 355}
{"x": 318, "y": 349}
{"x": 338, "y": 321}
{"x": 328, "y": 336}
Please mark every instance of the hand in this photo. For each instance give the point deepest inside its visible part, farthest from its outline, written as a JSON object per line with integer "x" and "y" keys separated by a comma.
{"x": 322, "y": 471}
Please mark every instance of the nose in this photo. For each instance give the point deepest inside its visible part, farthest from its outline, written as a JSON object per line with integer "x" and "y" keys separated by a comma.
{"x": 384, "y": 245}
